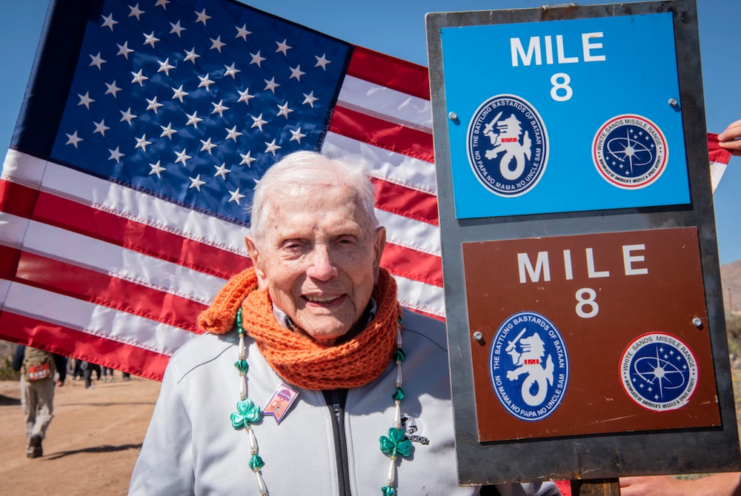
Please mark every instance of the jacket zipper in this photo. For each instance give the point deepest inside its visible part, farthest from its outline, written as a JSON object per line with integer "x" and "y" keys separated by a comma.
{"x": 336, "y": 402}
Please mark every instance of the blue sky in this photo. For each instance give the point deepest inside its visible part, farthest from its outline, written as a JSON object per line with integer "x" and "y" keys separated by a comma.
{"x": 397, "y": 27}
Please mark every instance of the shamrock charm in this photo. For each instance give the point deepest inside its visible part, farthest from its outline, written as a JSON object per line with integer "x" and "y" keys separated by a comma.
{"x": 396, "y": 443}
{"x": 242, "y": 365}
{"x": 247, "y": 413}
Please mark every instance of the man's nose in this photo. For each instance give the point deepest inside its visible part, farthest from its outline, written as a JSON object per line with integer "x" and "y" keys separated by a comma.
{"x": 321, "y": 267}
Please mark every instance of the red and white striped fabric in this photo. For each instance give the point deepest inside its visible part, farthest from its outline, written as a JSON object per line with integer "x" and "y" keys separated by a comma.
{"x": 719, "y": 158}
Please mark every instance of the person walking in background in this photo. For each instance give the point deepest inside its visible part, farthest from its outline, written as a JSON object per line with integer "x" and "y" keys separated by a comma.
{"x": 37, "y": 369}
{"x": 87, "y": 370}
{"x": 107, "y": 374}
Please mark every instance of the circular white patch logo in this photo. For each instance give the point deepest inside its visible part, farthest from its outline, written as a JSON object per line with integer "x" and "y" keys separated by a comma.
{"x": 630, "y": 152}
{"x": 659, "y": 372}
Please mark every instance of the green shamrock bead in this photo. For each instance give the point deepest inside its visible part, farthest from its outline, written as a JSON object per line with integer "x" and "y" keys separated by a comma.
{"x": 396, "y": 443}
{"x": 398, "y": 320}
{"x": 256, "y": 462}
{"x": 388, "y": 491}
{"x": 239, "y": 321}
{"x": 247, "y": 413}
{"x": 242, "y": 366}
{"x": 398, "y": 395}
{"x": 399, "y": 356}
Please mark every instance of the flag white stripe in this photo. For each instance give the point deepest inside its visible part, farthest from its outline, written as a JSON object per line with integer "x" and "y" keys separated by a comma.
{"x": 4, "y": 287}
{"x": 410, "y": 233}
{"x": 377, "y": 99}
{"x": 420, "y": 296}
{"x": 95, "y": 319}
{"x": 12, "y": 229}
{"x": 23, "y": 169}
{"x": 716, "y": 173}
{"x": 120, "y": 262}
{"x": 383, "y": 164}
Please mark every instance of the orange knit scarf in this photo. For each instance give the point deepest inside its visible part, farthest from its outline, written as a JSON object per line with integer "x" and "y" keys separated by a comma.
{"x": 296, "y": 357}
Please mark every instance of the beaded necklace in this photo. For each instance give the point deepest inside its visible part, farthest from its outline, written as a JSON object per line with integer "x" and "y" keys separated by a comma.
{"x": 394, "y": 445}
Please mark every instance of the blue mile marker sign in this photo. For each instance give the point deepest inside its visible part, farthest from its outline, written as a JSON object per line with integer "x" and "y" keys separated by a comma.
{"x": 561, "y": 116}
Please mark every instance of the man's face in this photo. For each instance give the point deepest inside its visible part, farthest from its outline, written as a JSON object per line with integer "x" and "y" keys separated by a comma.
{"x": 319, "y": 258}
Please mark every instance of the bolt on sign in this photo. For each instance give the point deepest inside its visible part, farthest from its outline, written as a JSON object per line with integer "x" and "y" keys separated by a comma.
{"x": 580, "y": 261}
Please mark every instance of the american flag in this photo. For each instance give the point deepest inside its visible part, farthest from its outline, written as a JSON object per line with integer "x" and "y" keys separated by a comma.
{"x": 144, "y": 131}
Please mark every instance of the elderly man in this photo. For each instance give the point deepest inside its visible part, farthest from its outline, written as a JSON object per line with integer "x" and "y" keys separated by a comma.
{"x": 315, "y": 321}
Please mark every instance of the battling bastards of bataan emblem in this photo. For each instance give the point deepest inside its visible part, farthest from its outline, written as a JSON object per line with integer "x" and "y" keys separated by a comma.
{"x": 529, "y": 366}
{"x": 659, "y": 372}
{"x": 630, "y": 152}
{"x": 507, "y": 145}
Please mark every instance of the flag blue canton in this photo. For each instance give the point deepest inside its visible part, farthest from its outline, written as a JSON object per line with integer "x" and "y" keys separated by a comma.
{"x": 193, "y": 101}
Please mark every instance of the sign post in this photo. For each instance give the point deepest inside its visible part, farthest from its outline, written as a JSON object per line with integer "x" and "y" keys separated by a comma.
{"x": 580, "y": 261}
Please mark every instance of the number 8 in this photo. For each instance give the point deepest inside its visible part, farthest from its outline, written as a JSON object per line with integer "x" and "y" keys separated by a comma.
{"x": 561, "y": 86}
{"x": 590, "y": 300}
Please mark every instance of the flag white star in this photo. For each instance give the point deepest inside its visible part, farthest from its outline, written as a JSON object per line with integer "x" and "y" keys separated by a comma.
{"x": 233, "y": 134}
{"x": 258, "y": 122}
{"x": 322, "y": 61}
{"x": 205, "y": 81}
{"x": 310, "y": 99}
{"x": 108, "y": 22}
{"x": 85, "y": 100}
{"x": 244, "y": 96}
{"x": 156, "y": 169}
{"x": 127, "y": 116}
{"x": 296, "y": 135}
{"x": 97, "y": 61}
{"x": 271, "y": 147}
{"x": 74, "y": 139}
{"x": 242, "y": 32}
{"x": 179, "y": 93}
{"x": 100, "y": 127}
{"x": 296, "y": 73}
{"x": 202, "y": 17}
{"x": 112, "y": 89}
{"x": 247, "y": 159}
{"x": 135, "y": 12}
{"x": 207, "y": 146}
{"x": 153, "y": 105}
{"x": 163, "y": 3}
{"x": 283, "y": 47}
{"x": 222, "y": 171}
{"x": 195, "y": 182}
{"x": 182, "y": 157}
{"x": 271, "y": 85}
{"x": 150, "y": 39}
{"x": 193, "y": 119}
{"x": 116, "y": 155}
{"x": 217, "y": 44}
{"x": 165, "y": 66}
{"x": 231, "y": 70}
{"x": 256, "y": 59}
{"x": 139, "y": 77}
{"x": 219, "y": 109}
{"x": 167, "y": 131}
{"x": 142, "y": 142}
{"x": 176, "y": 29}
{"x": 284, "y": 110}
{"x": 235, "y": 196}
{"x": 192, "y": 56}
{"x": 257, "y": 181}
{"x": 124, "y": 50}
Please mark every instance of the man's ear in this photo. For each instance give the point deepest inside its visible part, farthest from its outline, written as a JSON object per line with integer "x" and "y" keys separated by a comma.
{"x": 256, "y": 261}
{"x": 378, "y": 246}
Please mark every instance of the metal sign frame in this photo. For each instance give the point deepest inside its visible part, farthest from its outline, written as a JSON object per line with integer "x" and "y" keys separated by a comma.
{"x": 596, "y": 456}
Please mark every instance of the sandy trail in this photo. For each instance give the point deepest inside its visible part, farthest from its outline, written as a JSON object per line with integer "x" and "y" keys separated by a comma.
{"x": 92, "y": 443}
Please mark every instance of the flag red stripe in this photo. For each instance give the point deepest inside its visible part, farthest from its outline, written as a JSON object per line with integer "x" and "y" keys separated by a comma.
{"x": 413, "y": 264}
{"x": 715, "y": 152}
{"x": 430, "y": 315}
{"x": 397, "y": 74}
{"x": 17, "y": 199}
{"x": 405, "y": 201}
{"x": 135, "y": 236}
{"x": 84, "y": 346}
{"x": 383, "y": 134}
{"x": 102, "y": 289}
{"x": 8, "y": 262}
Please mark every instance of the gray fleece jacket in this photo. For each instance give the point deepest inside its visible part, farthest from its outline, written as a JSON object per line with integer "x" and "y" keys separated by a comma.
{"x": 191, "y": 447}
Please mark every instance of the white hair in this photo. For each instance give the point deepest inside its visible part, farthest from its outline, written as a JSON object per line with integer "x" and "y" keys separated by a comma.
{"x": 304, "y": 169}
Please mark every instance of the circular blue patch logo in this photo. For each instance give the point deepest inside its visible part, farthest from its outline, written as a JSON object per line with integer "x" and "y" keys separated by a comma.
{"x": 529, "y": 366}
{"x": 507, "y": 145}
{"x": 630, "y": 152}
{"x": 659, "y": 372}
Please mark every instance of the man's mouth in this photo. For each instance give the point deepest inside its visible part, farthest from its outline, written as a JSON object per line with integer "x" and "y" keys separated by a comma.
{"x": 324, "y": 301}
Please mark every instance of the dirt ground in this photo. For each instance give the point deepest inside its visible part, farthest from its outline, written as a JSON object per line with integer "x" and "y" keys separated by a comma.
{"x": 91, "y": 445}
